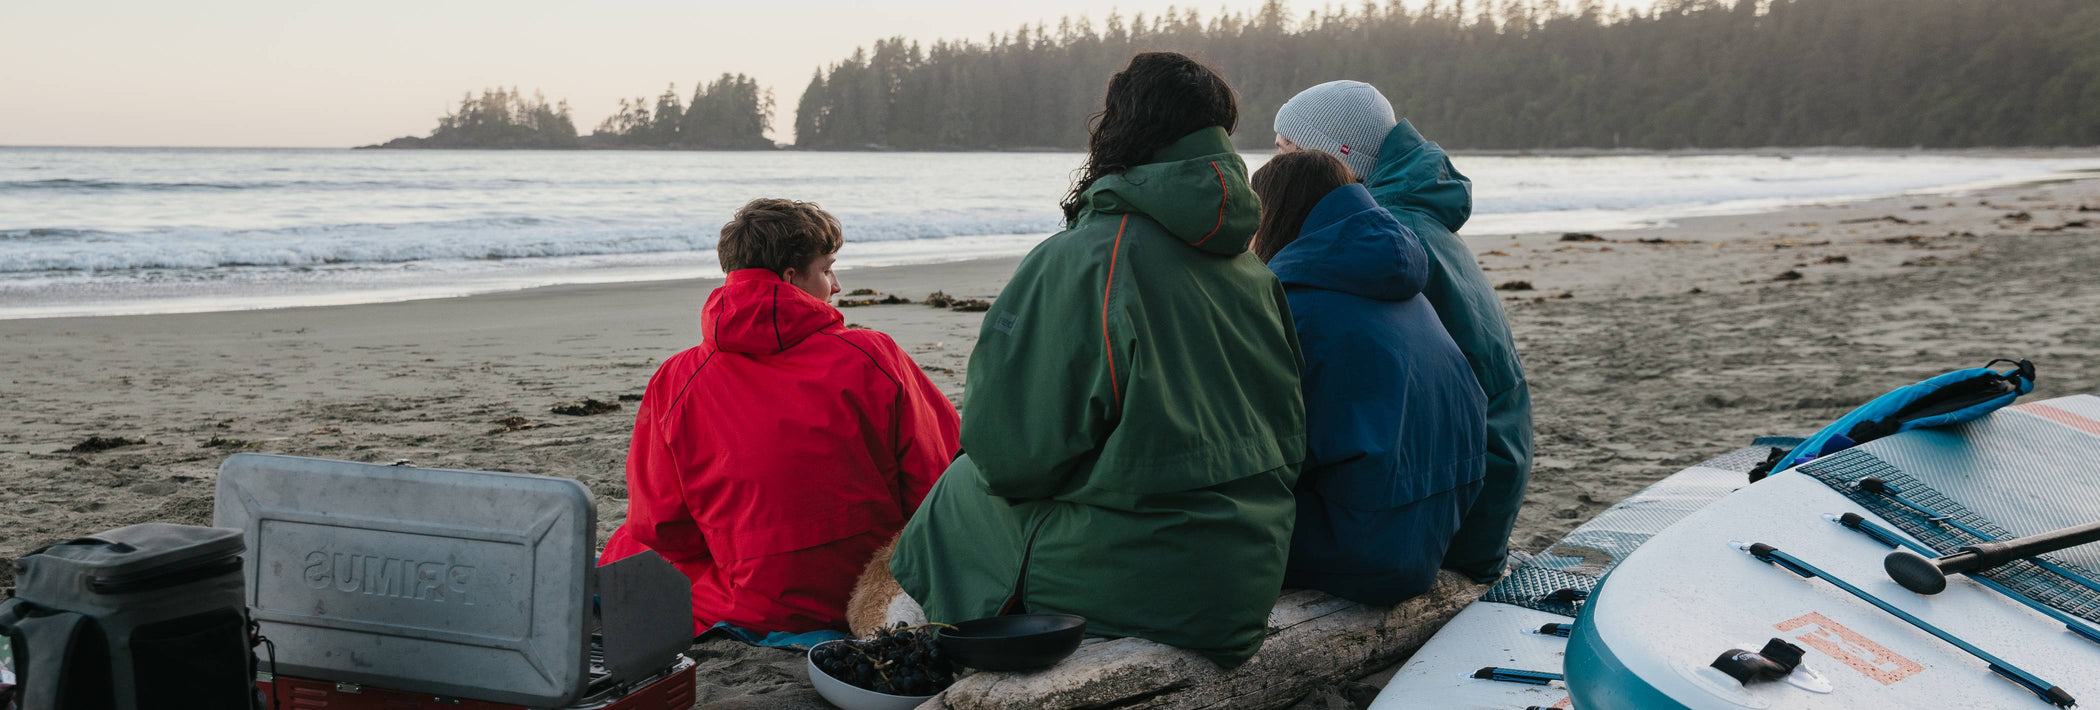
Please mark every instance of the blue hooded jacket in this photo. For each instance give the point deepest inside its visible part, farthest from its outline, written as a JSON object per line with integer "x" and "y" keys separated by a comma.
{"x": 1395, "y": 423}
{"x": 1417, "y": 183}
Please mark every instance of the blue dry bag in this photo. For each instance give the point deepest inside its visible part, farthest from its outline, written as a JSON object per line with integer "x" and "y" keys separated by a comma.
{"x": 1954, "y": 397}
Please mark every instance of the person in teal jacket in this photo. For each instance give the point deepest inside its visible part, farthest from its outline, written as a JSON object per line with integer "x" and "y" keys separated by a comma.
{"x": 1132, "y": 420}
{"x": 1414, "y": 180}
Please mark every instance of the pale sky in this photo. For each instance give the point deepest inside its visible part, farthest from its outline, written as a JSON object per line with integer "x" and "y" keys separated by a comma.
{"x": 291, "y": 73}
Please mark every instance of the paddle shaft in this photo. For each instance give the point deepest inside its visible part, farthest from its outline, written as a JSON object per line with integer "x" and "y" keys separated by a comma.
{"x": 1859, "y": 523}
{"x": 1929, "y": 576}
{"x": 1926, "y": 576}
{"x": 1985, "y": 555}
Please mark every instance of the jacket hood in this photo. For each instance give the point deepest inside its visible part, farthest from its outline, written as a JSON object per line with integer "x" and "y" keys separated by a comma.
{"x": 757, "y": 313}
{"x": 1196, "y": 188}
{"x": 1416, "y": 174}
{"x": 1350, "y": 244}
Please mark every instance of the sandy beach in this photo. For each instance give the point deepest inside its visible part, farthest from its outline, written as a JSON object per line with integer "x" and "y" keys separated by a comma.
{"x": 1647, "y": 350}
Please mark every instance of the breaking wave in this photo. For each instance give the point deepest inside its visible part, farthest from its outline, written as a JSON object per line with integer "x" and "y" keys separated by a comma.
{"x": 62, "y": 249}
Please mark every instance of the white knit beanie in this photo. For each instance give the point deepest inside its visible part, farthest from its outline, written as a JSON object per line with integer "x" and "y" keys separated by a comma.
{"x": 1346, "y": 119}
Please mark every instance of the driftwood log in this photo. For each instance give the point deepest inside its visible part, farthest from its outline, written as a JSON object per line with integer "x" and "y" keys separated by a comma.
{"x": 1314, "y": 640}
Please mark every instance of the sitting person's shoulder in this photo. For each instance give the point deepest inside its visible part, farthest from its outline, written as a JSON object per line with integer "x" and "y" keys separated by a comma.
{"x": 867, "y": 338}
{"x": 872, "y": 348}
{"x": 1089, "y": 242}
{"x": 677, "y": 371}
{"x": 1095, "y": 233}
{"x": 683, "y": 363}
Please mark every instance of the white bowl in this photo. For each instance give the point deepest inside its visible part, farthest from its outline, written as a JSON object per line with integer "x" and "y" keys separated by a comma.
{"x": 850, "y": 697}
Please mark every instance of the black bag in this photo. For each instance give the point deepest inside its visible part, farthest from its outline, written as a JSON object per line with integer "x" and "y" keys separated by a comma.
{"x": 145, "y": 616}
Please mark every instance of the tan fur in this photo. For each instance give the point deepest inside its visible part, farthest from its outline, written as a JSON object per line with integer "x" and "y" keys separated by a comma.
{"x": 868, "y": 608}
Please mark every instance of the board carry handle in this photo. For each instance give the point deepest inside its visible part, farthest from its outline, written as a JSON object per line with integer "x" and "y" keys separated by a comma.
{"x": 1517, "y": 675}
{"x": 2047, "y": 691}
{"x": 1777, "y": 659}
{"x": 1859, "y": 523}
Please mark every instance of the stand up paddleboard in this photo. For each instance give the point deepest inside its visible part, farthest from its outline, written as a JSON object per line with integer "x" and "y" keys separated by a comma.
{"x": 1517, "y": 632}
{"x": 1777, "y": 595}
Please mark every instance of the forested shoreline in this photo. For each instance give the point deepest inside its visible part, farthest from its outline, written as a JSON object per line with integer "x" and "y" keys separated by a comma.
{"x": 1525, "y": 74}
{"x": 730, "y": 113}
{"x": 1473, "y": 74}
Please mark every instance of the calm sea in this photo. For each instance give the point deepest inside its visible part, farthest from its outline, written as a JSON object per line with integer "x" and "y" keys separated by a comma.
{"x": 136, "y": 230}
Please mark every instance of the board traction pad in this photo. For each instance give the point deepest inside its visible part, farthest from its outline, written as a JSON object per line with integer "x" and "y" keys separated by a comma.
{"x": 1580, "y": 560}
{"x": 1841, "y": 470}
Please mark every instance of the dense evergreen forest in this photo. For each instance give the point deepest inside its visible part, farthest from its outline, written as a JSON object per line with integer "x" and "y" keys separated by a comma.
{"x": 729, "y": 113}
{"x": 1522, "y": 74}
{"x": 1475, "y": 74}
{"x": 498, "y": 119}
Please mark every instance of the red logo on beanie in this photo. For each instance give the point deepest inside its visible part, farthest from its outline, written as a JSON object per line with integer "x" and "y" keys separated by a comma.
{"x": 1345, "y": 150}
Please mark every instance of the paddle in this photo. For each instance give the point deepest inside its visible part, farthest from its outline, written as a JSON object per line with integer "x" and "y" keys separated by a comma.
{"x": 1883, "y": 489}
{"x": 1859, "y": 523}
{"x": 1929, "y": 576}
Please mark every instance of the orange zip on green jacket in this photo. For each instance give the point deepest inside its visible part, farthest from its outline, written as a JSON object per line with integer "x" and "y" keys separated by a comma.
{"x": 1132, "y": 423}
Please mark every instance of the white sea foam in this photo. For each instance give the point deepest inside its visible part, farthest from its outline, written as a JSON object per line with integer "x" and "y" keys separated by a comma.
{"x": 106, "y": 225}
{"x": 45, "y": 250}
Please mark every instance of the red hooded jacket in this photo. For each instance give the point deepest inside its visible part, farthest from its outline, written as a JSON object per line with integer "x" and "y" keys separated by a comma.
{"x": 771, "y": 461}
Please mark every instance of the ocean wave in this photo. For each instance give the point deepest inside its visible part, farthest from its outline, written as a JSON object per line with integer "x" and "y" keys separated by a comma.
{"x": 1809, "y": 178}
{"x": 443, "y": 183}
{"x": 98, "y": 187}
{"x": 74, "y": 184}
{"x": 46, "y": 250}
{"x": 43, "y": 233}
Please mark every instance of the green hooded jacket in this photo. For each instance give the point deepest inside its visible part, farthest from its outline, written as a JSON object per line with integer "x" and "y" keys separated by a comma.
{"x": 1415, "y": 181}
{"x": 1132, "y": 422}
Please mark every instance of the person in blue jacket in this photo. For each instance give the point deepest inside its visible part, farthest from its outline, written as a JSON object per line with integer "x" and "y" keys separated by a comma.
{"x": 1414, "y": 179}
{"x": 1395, "y": 424}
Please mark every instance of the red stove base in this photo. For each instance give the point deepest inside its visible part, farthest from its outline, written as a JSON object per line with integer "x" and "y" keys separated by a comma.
{"x": 671, "y": 692}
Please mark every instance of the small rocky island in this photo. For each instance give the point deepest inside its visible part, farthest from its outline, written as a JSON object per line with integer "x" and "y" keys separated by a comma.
{"x": 730, "y": 113}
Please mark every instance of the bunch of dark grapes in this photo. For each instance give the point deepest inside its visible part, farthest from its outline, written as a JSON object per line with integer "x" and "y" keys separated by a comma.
{"x": 899, "y": 660}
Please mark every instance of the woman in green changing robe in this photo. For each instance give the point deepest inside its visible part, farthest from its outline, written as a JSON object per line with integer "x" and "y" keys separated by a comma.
{"x": 1132, "y": 417}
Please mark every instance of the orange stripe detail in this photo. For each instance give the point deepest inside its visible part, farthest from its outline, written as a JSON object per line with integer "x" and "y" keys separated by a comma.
{"x": 1223, "y": 195}
{"x": 1851, "y": 648}
{"x": 1105, "y": 342}
{"x": 2059, "y": 416}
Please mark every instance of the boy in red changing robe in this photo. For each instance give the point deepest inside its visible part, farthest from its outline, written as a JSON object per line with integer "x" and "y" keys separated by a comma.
{"x": 772, "y": 460}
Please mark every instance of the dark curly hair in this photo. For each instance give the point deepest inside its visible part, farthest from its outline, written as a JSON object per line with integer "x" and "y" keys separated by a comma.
{"x": 1160, "y": 98}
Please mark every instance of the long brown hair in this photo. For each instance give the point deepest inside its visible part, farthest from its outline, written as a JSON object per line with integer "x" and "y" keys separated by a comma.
{"x": 1289, "y": 187}
{"x": 1160, "y": 98}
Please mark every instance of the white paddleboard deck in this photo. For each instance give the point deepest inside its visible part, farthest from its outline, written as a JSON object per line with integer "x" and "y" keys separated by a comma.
{"x": 1646, "y": 639}
{"x": 1440, "y": 674}
{"x": 1502, "y": 630}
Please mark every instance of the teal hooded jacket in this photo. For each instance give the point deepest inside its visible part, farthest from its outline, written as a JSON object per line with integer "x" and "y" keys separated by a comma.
{"x": 1417, "y": 183}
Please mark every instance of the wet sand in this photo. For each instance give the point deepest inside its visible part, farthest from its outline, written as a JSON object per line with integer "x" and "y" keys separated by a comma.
{"x": 1647, "y": 351}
